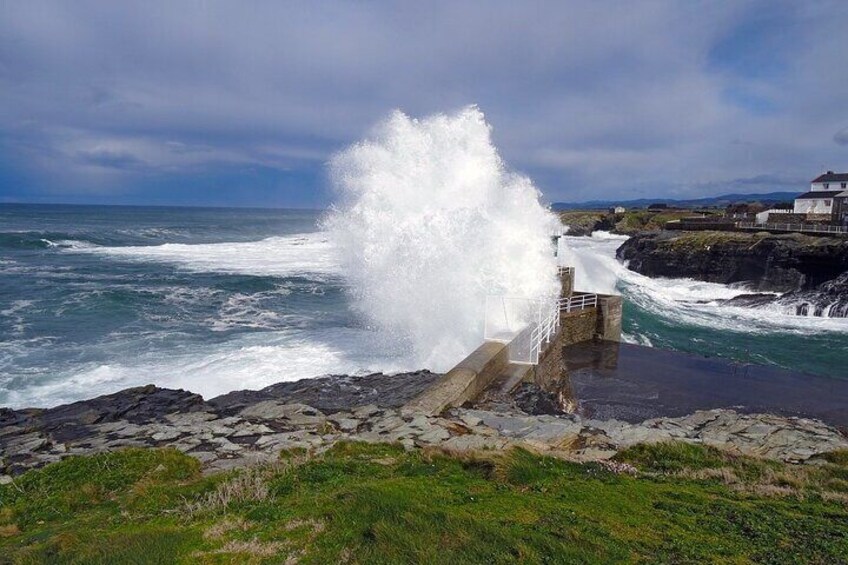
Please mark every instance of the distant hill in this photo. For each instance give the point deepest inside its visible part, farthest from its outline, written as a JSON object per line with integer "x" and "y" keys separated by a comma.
{"x": 723, "y": 200}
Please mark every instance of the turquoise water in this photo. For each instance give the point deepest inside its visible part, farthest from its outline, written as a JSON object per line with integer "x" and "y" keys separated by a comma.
{"x": 685, "y": 315}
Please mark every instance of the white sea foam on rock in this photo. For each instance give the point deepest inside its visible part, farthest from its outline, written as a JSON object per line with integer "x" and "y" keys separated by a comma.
{"x": 428, "y": 221}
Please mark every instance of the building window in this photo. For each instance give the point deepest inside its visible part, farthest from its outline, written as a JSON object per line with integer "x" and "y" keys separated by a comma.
{"x": 826, "y": 185}
{"x": 845, "y": 185}
{"x": 828, "y": 202}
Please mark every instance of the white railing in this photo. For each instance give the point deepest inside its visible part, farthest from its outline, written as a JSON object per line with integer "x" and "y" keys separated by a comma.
{"x": 526, "y": 325}
{"x": 545, "y": 329}
{"x": 814, "y": 228}
{"x": 578, "y": 302}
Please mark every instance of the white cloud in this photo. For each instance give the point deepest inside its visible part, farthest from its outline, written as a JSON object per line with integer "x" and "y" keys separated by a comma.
{"x": 574, "y": 91}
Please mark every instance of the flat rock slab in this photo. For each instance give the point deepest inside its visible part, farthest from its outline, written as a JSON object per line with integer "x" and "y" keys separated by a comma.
{"x": 334, "y": 393}
{"x": 260, "y": 430}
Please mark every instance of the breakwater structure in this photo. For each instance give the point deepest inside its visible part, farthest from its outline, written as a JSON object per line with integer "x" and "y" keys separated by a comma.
{"x": 523, "y": 341}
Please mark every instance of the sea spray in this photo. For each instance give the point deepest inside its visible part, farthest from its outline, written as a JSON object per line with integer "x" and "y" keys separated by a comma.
{"x": 428, "y": 222}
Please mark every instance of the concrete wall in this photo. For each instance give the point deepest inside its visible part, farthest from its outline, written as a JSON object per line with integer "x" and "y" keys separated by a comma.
{"x": 578, "y": 326}
{"x": 550, "y": 369}
{"x": 609, "y": 318}
{"x": 465, "y": 381}
{"x": 567, "y": 281}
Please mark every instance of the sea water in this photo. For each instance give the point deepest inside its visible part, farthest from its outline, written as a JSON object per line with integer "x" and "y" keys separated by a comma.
{"x": 95, "y": 299}
{"x": 688, "y": 315}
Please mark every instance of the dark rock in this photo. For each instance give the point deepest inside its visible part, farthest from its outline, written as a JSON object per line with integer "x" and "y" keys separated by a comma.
{"x": 532, "y": 399}
{"x": 603, "y": 222}
{"x": 830, "y": 299}
{"x": 765, "y": 262}
{"x": 139, "y": 405}
{"x": 750, "y": 300}
{"x": 333, "y": 393}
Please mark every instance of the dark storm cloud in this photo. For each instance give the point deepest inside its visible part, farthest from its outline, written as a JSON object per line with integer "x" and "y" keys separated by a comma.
{"x": 107, "y": 98}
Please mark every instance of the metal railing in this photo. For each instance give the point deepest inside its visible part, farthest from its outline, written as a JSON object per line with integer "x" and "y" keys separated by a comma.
{"x": 565, "y": 271}
{"x": 804, "y": 228}
{"x": 526, "y": 325}
{"x": 578, "y": 302}
{"x": 544, "y": 330}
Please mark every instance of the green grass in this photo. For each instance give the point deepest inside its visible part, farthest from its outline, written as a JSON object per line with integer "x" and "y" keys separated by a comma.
{"x": 380, "y": 504}
{"x": 634, "y": 221}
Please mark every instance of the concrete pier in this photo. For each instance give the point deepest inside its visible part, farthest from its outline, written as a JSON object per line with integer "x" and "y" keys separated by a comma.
{"x": 595, "y": 316}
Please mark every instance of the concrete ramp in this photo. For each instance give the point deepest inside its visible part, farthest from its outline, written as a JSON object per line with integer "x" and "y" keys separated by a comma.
{"x": 465, "y": 381}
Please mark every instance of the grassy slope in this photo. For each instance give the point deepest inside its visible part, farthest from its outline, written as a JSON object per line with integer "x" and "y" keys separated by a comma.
{"x": 635, "y": 221}
{"x": 373, "y": 504}
{"x": 628, "y": 223}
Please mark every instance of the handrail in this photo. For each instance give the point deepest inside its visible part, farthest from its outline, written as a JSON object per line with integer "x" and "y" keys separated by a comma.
{"x": 578, "y": 302}
{"x": 815, "y": 228}
{"x": 528, "y": 325}
{"x": 545, "y": 329}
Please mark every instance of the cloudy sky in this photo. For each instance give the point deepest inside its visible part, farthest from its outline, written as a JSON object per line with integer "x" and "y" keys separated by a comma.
{"x": 242, "y": 103}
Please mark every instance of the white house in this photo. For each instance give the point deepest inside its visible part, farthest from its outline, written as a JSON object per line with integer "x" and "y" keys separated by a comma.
{"x": 822, "y": 190}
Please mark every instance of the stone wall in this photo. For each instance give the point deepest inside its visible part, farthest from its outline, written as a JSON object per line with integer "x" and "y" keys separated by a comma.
{"x": 609, "y": 318}
{"x": 578, "y": 326}
{"x": 550, "y": 369}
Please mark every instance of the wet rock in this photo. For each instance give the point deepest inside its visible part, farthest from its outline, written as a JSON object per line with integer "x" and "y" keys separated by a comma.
{"x": 829, "y": 299}
{"x": 750, "y": 300}
{"x": 335, "y": 393}
{"x": 137, "y": 405}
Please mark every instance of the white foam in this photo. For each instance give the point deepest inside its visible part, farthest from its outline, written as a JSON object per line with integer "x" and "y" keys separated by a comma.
{"x": 429, "y": 221}
{"x": 681, "y": 300}
{"x": 301, "y": 254}
{"x": 250, "y": 361}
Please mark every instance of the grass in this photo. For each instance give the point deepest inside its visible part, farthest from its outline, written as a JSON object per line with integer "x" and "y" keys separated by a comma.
{"x": 629, "y": 222}
{"x": 634, "y": 221}
{"x": 363, "y": 503}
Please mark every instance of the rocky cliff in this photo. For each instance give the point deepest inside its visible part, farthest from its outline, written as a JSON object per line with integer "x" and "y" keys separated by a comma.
{"x": 765, "y": 262}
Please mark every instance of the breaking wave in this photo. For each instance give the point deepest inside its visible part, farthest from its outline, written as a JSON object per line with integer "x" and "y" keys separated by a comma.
{"x": 306, "y": 254}
{"x": 681, "y": 300}
{"x": 429, "y": 220}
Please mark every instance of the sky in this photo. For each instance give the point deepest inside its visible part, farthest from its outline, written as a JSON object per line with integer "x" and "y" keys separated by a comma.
{"x": 243, "y": 103}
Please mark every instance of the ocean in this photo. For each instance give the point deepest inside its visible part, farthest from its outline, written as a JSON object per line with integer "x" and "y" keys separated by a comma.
{"x": 687, "y": 315}
{"x": 94, "y": 299}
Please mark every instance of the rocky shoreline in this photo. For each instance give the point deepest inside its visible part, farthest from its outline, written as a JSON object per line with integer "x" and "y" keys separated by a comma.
{"x": 807, "y": 273}
{"x": 247, "y": 427}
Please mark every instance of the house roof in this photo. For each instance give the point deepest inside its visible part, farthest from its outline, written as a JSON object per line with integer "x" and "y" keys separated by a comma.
{"x": 817, "y": 195}
{"x": 830, "y": 176}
